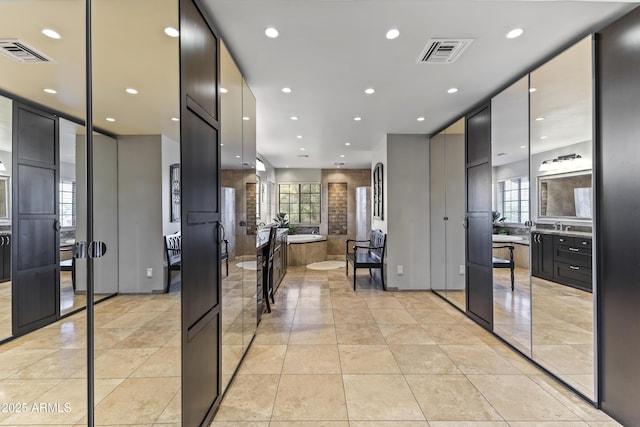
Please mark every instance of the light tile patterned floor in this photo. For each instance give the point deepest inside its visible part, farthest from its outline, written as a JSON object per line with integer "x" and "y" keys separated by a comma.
{"x": 329, "y": 356}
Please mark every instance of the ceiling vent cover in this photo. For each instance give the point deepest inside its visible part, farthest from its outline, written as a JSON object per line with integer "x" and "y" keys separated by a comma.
{"x": 21, "y": 52}
{"x": 339, "y": 163}
{"x": 444, "y": 51}
{"x": 305, "y": 156}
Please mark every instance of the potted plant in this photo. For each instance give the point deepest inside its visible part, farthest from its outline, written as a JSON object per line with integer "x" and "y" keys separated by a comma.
{"x": 498, "y": 223}
{"x": 282, "y": 222}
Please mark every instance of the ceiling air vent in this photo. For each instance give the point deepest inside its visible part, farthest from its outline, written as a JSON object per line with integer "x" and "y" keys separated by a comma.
{"x": 443, "y": 51}
{"x": 339, "y": 163}
{"x": 305, "y": 156}
{"x": 21, "y": 52}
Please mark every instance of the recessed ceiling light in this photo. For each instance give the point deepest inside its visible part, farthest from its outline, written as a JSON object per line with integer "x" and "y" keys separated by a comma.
{"x": 523, "y": 146}
{"x": 245, "y": 118}
{"x": 516, "y": 32}
{"x": 357, "y": 119}
{"x": 452, "y": 90}
{"x": 286, "y": 89}
{"x": 131, "y": 90}
{"x": 533, "y": 89}
{"x": 347, "y": 143}
{"x": 51, "y": 33}
{"x": 544, "y": 137}
{"x": 221, "y": 145}
{"x": 171, "y": 32}
{"x": 294, "y": 117}
{"x": 237, "y": 157}
{"x": 224, "y": 90}
{"x": 301, "y": 148}
{"x": 50, "y": 90}
{"x": 341, "y": 155}
{"x": 369, "y": 91}
{"x": 110, "y": 119}
{"x": 286, "y": 166}
{"x": 271, "y": 32}
{"x": 539, "y": 119}
{"x": 393, "y": 34}
{"x": 175, "y": 119}
{"x": 299, "y": 136}
{"x": 420, "y": 119}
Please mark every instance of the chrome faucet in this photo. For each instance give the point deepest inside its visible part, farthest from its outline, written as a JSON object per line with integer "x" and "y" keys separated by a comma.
{"x": 557, "y": 226}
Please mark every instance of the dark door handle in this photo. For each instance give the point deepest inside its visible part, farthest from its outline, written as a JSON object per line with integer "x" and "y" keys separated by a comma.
{"x": 465, "y": 223}
{"x": 56, "y": 225}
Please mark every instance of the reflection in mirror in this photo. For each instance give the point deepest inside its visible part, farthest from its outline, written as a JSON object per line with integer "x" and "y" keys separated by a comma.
{"x": 46, "y": 364}
{"x": 137, "y": 335}
{"x": 510, "y": 176}
{"x": 6, "y": 132}
{"x": 250, "y": 273}
{"x": 231, "y": 209}
{"x": 447, "y": 213}
{"x": 562, "y": 258}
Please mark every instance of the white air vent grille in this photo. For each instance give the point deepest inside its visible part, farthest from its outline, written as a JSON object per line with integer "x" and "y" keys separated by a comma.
{"x": 339, "y": 163}
{"x": 305, "y": 156}
{"x": 444, "y": 51}
{"x": 21, "y": 52}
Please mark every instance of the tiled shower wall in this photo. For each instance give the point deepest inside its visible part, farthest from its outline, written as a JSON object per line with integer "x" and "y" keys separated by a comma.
{"x": 337, "y": 208}
{"x": 353, "y": 178}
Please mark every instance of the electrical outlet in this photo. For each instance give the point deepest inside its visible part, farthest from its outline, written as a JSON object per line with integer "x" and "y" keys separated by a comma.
{"x": 149, "y": 272}
{"x": 400, "y": 270}
{"x": 461, "y": 270}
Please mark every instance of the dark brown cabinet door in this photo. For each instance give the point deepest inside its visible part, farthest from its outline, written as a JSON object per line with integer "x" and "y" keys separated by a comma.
{"x": 35, "y": 274}
{"x": 478, "y": 217}
{"x": 200, "y": 169}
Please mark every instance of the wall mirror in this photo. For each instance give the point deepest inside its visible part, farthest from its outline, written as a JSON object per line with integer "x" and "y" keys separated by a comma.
{"x": 562, "y": 257}
{"x": 511, "y": 228}
{"x": 447, "y": 176}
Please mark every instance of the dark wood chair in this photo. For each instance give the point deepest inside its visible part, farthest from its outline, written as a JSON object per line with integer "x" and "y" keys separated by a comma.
{"x": 506, "y": 263}
{"x": 70, "y": 265}
{"x": 369, "y": 256}
{"x": 173, "y": 251}
{"x": 268, "y": 267}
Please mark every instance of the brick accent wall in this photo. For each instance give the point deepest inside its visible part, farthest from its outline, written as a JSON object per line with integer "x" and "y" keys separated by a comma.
{"x": 337, "y": 208}
{"x": 252, "y": 209}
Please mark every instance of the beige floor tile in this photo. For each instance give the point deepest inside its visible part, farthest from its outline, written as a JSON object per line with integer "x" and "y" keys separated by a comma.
{"x": 22, "y": 390}
{"x": 451, "y": 398}
{"x": 384, "y": 301}
{"x": 15, "y": 360}
{"x": 249, "y": 398}
{"x": 478, "y": 359}
{"x": 309, "y": 424}
{"x": 430, "y": 316}
{"x": 240, "y": 424}
{"x": 548, "y": 424}
{"x": 312, "y": 316}
{"x": 451, "y": 334}
{"x": 380, "y": 397}
{"x": 313, "y": 303}
{"x": 468, "y": 424}
{"x": 312, "y": 359}
{"x": 272, "y": 334}
{"x": 353, "y": 334}
{"x": 59, "y": 364}
{"x": 137, "y": 401}
{"x": 518, "y": 398}
{"x": 367, "y": 359}
{"x": 263, "y": 359}
{"x": 352, "y": 316}
{"x": 405, "y": 334}
{"x": 165, "y": 362}
{"x": 173, "y": 412}
{"x": 392, "y": 316}
{"x": 310, "y": 397}
{"x": 129, "y": 320}
{"x": 121, "y": 362}
{"x": 423, "y": 359}
{"x": 312, "y": 334}
{"x": 388, "y": 424}
{"x": 155, "y": 337}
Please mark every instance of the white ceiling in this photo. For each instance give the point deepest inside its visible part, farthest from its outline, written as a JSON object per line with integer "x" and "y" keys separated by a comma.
{"x": 328, "y": 52}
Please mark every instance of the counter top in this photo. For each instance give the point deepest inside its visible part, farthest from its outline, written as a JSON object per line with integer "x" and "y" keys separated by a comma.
{"x": 565, "y": 233}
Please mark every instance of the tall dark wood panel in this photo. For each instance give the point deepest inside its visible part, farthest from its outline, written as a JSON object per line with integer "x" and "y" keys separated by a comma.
{"x": 35, "y": 283}
{"x": 200, "y": 169}
{"x": 478, "y": 216}
{"x": 618, "y": 228}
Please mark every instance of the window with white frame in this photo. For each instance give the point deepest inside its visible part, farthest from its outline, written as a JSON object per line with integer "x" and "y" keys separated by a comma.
{"x": 67, "y": 203}
{"x": 513, "y": 199}
{"x": 301, "y": 202}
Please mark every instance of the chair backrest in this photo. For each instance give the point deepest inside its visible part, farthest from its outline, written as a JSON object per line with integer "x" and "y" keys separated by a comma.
{"x": 173, "y": 247}
{"x": 378, "y": 240}
{"x": 272, "y": 242}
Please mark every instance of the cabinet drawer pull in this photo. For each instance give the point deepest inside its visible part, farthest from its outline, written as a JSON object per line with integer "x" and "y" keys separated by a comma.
{"x": 574, "y": 268}
{"x": 584, "y": 243}
{"x": 574, "y": 249}
{"x": 562, "y": 240}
